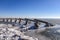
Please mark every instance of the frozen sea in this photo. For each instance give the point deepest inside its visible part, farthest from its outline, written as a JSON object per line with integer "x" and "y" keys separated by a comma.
{"x": 52, "y": 33}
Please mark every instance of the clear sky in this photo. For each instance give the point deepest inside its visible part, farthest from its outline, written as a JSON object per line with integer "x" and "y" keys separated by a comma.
{"x": 30, "y": 8}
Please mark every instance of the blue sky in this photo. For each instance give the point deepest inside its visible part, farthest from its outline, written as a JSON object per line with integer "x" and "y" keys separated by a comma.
{"x": 30, "y": 8}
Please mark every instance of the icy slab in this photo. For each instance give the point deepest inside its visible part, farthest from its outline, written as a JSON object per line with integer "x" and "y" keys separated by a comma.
{"x": 34, "y": 34}
{"x": 22, "y": 22}
{"x": 55, "y": 28}
{"x": 42, "y": 25}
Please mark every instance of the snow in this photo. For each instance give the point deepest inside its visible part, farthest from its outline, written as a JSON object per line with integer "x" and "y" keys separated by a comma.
{"x": 8, "y": 31}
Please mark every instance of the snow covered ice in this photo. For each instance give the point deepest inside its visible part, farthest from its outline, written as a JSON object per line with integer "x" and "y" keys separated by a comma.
{"x": 9, "y": 32}
{"x": 16, "y": 31}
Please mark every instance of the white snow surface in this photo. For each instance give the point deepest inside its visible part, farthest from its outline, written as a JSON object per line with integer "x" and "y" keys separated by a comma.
{"x": 8, "y": 31}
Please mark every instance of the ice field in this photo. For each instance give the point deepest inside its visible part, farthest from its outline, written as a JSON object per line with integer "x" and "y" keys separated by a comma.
{"x": 16, "y": 31}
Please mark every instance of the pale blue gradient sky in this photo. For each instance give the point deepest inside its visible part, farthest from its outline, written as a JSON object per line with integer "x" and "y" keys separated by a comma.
{"x": 30, "y": 8}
